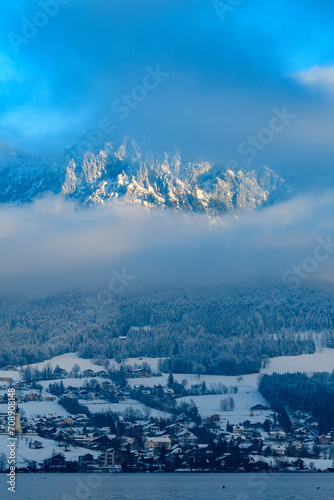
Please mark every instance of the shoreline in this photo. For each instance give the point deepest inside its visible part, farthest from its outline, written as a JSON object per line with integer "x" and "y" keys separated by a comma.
{"x": 179, "y": 472}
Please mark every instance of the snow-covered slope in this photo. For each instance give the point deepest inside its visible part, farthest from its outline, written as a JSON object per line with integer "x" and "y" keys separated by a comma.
{"x": 128, "y": 174}
{"x": 23, "y": 177}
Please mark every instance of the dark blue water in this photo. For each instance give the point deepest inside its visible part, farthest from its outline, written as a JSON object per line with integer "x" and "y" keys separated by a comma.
{"x": 294, "y": 486}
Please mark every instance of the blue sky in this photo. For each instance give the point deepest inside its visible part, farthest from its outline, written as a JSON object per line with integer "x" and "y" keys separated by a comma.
{"x": 225, "y": 75}
{"x": 227, "y": 79}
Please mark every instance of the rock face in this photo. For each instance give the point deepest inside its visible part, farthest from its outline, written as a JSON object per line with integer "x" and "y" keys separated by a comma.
{"x": 130, "y": 175}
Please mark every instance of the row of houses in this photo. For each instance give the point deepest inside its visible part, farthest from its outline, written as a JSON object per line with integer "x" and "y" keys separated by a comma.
{"x": 28, "y": 397}
{"x": 142, "y": 443}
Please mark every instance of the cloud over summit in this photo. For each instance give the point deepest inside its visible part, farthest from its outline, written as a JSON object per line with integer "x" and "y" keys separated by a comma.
{"x": 51, "y": 246}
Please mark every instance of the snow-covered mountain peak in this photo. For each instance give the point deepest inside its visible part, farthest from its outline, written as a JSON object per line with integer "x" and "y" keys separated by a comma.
{"x": 129, "y": 173}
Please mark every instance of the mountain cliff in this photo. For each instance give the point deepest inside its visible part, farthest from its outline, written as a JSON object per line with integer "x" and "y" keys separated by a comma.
{"x": 128, "y": 174}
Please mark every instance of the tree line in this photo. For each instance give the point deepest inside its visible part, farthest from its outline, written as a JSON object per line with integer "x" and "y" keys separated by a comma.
{"x": 313, "y": 394}
{"x": 217, "y": 330}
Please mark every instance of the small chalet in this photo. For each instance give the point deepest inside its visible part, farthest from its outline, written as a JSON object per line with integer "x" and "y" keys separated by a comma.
{"x": 32, "y": 397}
{"x": 143, "y": 372}
{"x": 214, "y": 418}
{"x": 10, "y": 368}
{"x": 57, "y": 462}
{"x": 186, "y": 437}
{"x": 157, "y": 442}
{"x": 325, "y": 439}
{"x": 85, "y": 460}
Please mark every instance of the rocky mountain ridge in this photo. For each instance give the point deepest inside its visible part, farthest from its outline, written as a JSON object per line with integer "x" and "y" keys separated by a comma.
{"x": 129, "y": 174}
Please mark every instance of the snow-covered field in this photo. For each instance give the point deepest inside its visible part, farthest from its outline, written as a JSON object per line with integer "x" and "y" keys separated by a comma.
{"x": 73, "y": 382}
{"x": 321, "y": 361}
{"x": 39, "y": 408}
{"x": 66, "y": 362}
{"x": 99, "y": 405}
{"x": 14, "y": 375}
{"x": 247, "y": 396}
{"x": 25, "y": 454}
{"x": 244, "y": 400}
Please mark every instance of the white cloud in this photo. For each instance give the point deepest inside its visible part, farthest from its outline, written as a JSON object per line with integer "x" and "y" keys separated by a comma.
{"x": 317, "y": 75}
{"x": 52, "y": 246}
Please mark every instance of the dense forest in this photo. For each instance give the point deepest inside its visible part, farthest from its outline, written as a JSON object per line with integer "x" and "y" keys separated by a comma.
{"x": 313, "y": 394}
{"x": 222, "y": 330}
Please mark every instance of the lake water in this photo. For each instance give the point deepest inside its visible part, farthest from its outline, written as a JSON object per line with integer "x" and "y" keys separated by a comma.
{"x": 292, "y": 486}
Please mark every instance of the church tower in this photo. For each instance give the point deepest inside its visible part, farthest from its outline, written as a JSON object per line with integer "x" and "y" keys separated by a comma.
{"x": 18, "y": 428}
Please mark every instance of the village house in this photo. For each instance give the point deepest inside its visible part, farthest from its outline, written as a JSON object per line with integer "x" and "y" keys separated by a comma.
{"x": 175, "y": 428}
{"x": 55, "y": 463}
{"x": 32, "y": 397}
{"x": 280, "y": 435}
{"x": 152, "y": 428}
{"x": 102, "y": 443}
{"x": 278, "y": 449}
{"x": 214, "y": 418}
{"x": 157, "y": 442}
{"x": 10, "y": 368}
{"x": 259, "y": 407}
{"x": 301, "y": 432}
{"x": 186, "y": 438}
{"x": 81, "y": 419}
{"x": 60, "y": 373}
{"x": 298, "y": 464}
{"x": 62, "y": 422}
{"x": 105, "y": 385}
{"x": 113, "y": 457}
{"x": 86, "y": 460}
{"x": 142, "y": 372}
{"x": 325, "y": 439}
{"x": 82, "y": 439}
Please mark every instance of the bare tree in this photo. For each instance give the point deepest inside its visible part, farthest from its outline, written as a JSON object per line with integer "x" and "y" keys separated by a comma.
{"x": 76, "y": 370}
{"x": 146, "y": 412}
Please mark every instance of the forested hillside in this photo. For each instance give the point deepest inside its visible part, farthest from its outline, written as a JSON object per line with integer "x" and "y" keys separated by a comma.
{"x": 227, "y": 329}
{"x": 314, "y": 394}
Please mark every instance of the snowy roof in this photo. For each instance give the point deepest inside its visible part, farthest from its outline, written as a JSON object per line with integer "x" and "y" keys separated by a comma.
{"x": 161, "y": 439}
{"x": 187, "y": 433}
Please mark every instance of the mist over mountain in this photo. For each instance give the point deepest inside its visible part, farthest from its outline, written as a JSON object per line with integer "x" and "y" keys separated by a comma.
{"x": 70, "y": 220}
